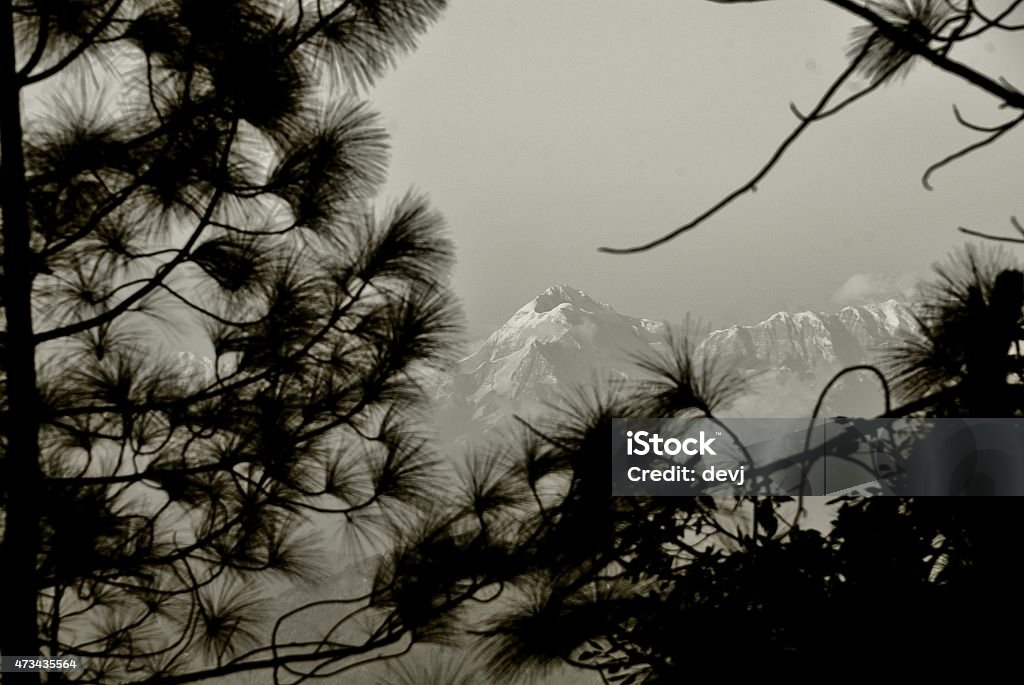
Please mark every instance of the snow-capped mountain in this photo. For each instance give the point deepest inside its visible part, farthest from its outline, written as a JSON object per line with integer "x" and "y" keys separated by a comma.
{"x": 813, "y": 343}
{"x": 564, "y": 339}
{"x": 561, "y": 339}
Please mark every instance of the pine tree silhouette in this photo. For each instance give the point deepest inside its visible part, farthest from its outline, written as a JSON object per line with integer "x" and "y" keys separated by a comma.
{"x": 203, "y": 170}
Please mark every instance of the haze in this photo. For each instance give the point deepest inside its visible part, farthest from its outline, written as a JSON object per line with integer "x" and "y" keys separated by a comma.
{"x": 543, "y": 130}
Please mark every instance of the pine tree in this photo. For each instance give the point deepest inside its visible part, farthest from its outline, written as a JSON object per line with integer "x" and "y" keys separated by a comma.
{"x": 203, "y": 171}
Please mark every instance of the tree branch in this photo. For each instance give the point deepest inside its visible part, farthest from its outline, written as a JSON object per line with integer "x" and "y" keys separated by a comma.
{"x": 751, "y": 185}
{"x": 1012, "y": 97}
{"x": 1009, "y": 95}
{"x": 963, "y": 152}
{"x": 86, "y": 43}
{"x": 161, "y": 273}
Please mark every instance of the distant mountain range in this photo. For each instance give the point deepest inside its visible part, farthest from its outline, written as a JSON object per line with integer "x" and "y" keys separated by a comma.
{"x": 814, "y": 343}
{"x": 563, "y": 339}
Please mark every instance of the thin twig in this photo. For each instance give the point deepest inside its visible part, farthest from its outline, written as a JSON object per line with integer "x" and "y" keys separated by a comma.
{"x": 974, "y": 127}
{"x": 963, "y": 152}
{"x": 751, "y": 185}
{"x": 999, "y": 238}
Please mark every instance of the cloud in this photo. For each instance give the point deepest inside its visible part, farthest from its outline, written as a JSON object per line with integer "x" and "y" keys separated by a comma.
{"x": 865, "y": 288}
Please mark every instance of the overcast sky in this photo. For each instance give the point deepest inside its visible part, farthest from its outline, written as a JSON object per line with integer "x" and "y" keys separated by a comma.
{"x": 543, "y": 129}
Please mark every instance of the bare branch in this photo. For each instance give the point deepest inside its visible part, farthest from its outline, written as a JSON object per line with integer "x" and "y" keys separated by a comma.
{"x": 989, "y": 236}
{"x": 999, "y": 238}
{"x": 995, "y": 22}
{"x": 974, "y": 127}
{"x": 751, "y": 185}
{"x": 963, "y": 152}
{"x": 1001, "y": 88}
{"x": 875, "y": 85}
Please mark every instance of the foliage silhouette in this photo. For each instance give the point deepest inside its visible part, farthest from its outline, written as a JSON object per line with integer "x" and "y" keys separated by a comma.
{"x": 899, "y": 583}
{"x": 656, "y": 590}
{"x": 967, "y": 353}
{"x": 202, "y": 172}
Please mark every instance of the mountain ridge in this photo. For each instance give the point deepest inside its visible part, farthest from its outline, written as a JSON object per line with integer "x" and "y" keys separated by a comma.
{"x": 564, "y": 338}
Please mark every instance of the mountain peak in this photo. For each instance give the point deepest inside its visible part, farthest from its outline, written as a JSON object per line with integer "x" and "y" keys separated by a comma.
{"x": 559, "y": 294}
{"x": 564, "y": 339}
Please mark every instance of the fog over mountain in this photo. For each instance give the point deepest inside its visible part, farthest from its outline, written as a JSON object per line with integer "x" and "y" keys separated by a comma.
{"x": 564, "y": 339}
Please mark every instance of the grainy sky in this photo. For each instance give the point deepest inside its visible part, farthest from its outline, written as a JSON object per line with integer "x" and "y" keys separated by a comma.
{"x": 543, "y": 129}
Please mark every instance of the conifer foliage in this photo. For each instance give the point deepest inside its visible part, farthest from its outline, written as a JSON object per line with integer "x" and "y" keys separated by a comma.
{"x": 203, "y": 173}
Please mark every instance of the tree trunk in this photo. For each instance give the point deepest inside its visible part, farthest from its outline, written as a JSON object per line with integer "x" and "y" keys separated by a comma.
{"x": 20, "y": 478}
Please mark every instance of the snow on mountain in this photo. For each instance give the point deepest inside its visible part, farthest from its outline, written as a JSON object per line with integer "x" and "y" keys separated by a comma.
{"x": 813, "y": 343}
{"x": 560, "y": 339}
{"x": 561, "y": 329}
{"x": 563, "y": 339}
